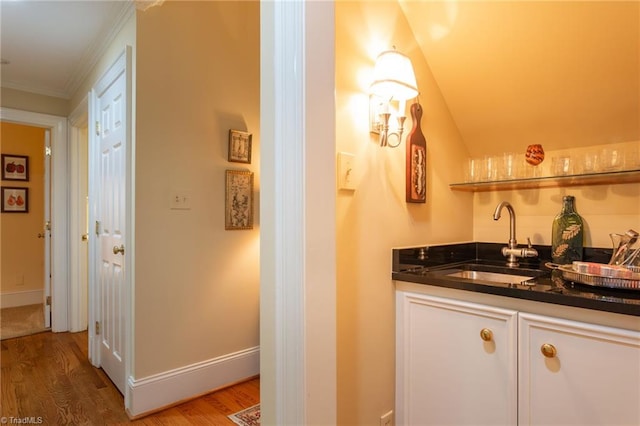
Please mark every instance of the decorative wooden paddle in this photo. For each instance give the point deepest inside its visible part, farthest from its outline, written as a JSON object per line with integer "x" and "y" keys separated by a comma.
{"x": 416, "y": 167}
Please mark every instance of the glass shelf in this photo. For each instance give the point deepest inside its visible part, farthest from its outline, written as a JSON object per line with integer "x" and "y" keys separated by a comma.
{"x": 605, "y": 178}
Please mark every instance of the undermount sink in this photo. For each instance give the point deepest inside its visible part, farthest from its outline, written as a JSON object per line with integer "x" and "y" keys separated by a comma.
{"x": 490, "y": 276}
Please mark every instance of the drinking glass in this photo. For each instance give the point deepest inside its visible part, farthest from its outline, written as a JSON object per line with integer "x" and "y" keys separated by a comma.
{"x": 590, "y": 162}
{"x": 474, "y": 170}
{"x": 492, "y": 167}
{"x": 509, "y": 164}
{"x": 612, "y": 159}
{"x": 524, "y": 170}
{"x": 561, "y": 166}
{"x": 632, "y": 159}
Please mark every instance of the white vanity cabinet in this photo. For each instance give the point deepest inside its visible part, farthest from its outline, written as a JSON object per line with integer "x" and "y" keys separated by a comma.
{"x": 529, "y": 370}
{"x": 456, "y": 363}
{"x": 574, "y": 373}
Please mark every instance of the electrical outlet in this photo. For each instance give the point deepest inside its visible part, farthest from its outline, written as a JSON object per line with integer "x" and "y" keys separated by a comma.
{"x": 387, "y": 419}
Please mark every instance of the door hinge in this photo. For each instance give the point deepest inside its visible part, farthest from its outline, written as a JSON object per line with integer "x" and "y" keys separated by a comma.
{"x": 97, "y": 328}
{"x": 47, "y": 151}
{"x": 97, "y": 227}
{"x": 98, "y": 128}
{"x": 47, "y": 225}
{"x": 48, "y": 300}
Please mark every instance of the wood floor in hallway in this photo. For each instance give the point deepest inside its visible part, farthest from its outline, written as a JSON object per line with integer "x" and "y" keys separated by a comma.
{"x": 48, "y": 376}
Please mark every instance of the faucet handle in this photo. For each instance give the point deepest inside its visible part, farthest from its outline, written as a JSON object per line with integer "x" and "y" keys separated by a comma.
{"x": 529, "y": 251}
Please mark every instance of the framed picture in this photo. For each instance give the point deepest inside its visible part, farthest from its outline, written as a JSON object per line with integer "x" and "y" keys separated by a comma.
{"x": 15, "y": 200}
{"x": 15, "y": 167}
{"x": 238, "y": 200}
{"x": 239, "y": 147}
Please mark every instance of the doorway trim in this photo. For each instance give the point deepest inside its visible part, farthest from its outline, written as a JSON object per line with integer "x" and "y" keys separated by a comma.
{"x": 298, "y": 322}
{"x": 78, "y": 297}
{"x": 59, "y": 208}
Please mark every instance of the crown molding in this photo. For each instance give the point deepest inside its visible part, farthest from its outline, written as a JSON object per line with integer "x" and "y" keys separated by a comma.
{"x": 97, "y": 49}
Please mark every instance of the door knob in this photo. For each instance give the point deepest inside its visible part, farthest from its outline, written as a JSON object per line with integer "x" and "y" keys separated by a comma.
{"x": 41, "y": 235}
{"x": 117, "y": 249}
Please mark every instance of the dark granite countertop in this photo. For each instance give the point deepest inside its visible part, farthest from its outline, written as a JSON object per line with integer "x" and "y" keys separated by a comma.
{"x": 430, "y": 265}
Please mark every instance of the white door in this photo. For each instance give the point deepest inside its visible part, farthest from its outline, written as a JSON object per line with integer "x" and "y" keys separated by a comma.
{"x": 46, "y": 229}
{"x": 109, "y": 197}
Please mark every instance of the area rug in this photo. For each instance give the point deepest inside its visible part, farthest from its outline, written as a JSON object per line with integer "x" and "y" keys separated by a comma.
{"x": 21, "y": 321}
{"x": 247, "y": 417}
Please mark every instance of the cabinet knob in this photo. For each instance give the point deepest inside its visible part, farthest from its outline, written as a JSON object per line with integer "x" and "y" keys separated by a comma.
{"x": 486, "y": 334}
{"x": 548, "y": 350}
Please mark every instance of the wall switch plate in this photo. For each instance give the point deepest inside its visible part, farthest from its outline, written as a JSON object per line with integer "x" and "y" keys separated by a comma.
{"x": 180, "y": 200}
{"x": 387, "y": 419}
{"x": 346, "y": 175}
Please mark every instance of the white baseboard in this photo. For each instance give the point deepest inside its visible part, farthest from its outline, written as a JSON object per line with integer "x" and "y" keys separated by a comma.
{"x": 21, "y": 298}
{"x": 161, "y": 390}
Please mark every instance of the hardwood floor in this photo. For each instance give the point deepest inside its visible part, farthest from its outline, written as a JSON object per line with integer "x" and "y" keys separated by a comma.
{"x": 48, "y": 376}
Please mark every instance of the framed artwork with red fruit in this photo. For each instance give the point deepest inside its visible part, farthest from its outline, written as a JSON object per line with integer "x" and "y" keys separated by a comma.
{"x": 15, "y": 200}
{"x": 15, "y": 167}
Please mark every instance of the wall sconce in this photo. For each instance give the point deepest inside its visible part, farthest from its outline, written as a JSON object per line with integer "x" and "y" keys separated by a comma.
{"x": 393, "y": 83}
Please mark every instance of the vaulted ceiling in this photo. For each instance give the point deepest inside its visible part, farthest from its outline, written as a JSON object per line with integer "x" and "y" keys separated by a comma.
{"x": 559, "y": 73}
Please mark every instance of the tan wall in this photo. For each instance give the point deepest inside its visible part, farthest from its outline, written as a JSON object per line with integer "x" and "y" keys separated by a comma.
{"x": 26, "y": 101}
{"x": 375, "y": 218}
{"x": 196, "y": 285}
{"x": 22, "y": 250}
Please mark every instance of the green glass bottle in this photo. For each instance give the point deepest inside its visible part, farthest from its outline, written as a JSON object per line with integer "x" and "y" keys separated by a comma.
{"x": 567, "y": 234}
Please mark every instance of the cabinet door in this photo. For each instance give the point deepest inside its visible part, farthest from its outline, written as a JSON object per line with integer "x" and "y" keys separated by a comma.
{"x": 446, "y": 373}
{"x": 585, "y": 375}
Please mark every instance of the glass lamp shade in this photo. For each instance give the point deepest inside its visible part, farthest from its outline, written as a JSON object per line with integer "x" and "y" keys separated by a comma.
{"x": 393, "y": 77}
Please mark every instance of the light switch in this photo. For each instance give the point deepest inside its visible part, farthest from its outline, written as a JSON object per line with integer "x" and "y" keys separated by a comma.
{"x": 180, "y": 200}
{"x": 346, "y": 175}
